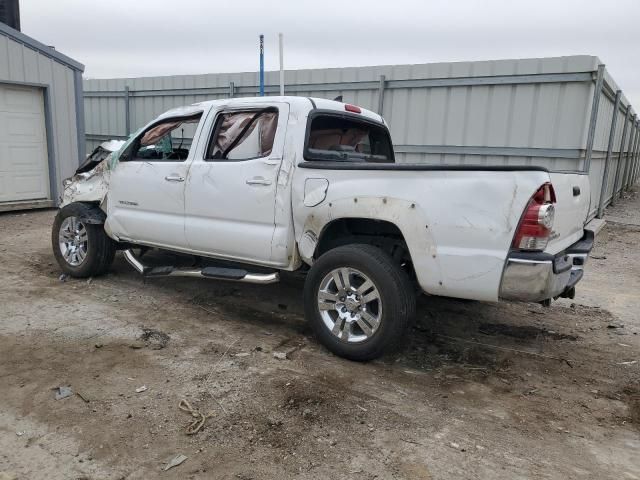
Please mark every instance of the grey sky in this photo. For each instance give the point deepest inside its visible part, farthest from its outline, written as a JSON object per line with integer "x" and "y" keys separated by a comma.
{"x": 129, "y": 38}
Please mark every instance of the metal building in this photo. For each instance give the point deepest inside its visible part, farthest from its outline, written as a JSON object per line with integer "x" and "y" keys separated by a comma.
{"x": 562, "y": 113}
{"x": 41, "y": 121}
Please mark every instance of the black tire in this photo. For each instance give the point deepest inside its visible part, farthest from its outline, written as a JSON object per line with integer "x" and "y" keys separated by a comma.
{"x": 396, "y": 293}
{"x": 100, "y": 250}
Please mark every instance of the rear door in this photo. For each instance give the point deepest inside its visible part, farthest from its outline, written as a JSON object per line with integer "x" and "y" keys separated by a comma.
{"x": 231, "y": 189}
{"x": 573, "y": 199}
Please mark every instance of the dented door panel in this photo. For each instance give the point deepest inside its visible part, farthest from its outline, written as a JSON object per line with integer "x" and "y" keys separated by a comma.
{"x": 230, "y": 203}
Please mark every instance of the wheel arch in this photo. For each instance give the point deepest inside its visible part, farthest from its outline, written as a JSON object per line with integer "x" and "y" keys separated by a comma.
{"x": 88, "y": 212}
{"x": 383, "y": 234}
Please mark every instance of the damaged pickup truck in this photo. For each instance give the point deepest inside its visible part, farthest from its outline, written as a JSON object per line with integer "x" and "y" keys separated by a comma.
{"x": 251, "y": 187}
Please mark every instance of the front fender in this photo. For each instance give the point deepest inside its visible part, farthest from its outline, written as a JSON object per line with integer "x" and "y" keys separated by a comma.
{"x": 91, "y": 186}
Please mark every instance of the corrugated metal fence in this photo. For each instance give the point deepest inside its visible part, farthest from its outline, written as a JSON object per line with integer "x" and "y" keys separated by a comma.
{"x": 565, "y": 113}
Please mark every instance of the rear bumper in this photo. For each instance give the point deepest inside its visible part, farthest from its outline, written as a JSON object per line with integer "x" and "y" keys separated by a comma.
{"x": 535, "y": 277}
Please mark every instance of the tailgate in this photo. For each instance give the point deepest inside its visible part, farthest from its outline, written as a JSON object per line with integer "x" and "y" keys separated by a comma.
{"x": 573, "y": 198}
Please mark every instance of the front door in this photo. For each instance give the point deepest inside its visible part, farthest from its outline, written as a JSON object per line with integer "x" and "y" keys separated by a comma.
{"x": 231, "y": 189}
{"x": 146, "y": 188}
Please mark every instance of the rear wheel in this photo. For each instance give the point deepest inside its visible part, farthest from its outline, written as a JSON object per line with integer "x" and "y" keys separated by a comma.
{"x": 82, "y": 249}
{"x": 358, "y": 301}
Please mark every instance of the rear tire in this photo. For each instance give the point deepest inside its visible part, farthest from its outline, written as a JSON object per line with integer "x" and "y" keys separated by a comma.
{"x": 81, "y": 249}
{"x": 358, "y": 301}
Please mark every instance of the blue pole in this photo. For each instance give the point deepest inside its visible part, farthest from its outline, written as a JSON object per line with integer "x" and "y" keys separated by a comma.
{"x": 262, "y": 65}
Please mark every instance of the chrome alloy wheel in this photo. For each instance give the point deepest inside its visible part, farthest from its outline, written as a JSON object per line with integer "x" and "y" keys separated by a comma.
{"x": 73, "y": 240}
{"x": 349, "y": 304}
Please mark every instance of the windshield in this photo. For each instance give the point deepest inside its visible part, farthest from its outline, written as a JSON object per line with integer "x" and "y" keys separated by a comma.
{"x": 344, "y": 139}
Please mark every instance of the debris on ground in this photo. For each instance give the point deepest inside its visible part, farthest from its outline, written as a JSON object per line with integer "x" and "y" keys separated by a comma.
{"x": 242, "y": 354}
{"x": 154, "y": 339}
{"x": 280, "y": 355}
{"x": 299, "y": 405}
{"x": 615, "y": 326}
{"x": 63, "y": 392}
{"x": 63, "y": 277}
{"x": 199, "y": 418}
{"x": 175, "y": 461}
{"x": 82, "y": 397}
{"x": 633, "y": 362}
{"x": 141, "y": 389}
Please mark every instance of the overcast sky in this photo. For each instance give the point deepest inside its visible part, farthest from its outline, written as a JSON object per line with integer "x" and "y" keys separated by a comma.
{"x": 132, "y": 38}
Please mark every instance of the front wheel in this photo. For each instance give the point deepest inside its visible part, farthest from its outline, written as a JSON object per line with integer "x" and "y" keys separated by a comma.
{"x": 82, "y": 249}
{"x": 358, "y": 301}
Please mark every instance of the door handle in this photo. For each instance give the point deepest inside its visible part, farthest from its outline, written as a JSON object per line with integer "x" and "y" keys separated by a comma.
{"x": 258, "y": 181}
{"x": 174, "y": 178}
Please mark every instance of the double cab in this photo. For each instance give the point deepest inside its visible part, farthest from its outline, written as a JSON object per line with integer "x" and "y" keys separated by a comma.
{"x": 251, "y": 187}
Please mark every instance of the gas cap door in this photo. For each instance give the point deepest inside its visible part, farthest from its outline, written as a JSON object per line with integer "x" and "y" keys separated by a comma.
{"x": 315, "y": 191}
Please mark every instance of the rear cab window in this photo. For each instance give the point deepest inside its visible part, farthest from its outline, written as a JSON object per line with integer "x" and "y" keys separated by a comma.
{"x": 334, "y": 136}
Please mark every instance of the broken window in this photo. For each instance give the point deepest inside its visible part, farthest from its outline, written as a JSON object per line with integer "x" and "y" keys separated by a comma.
{"x": 243, "y": 135}
{"x": 339, "y": 138}
{"x": 167, "y": 140}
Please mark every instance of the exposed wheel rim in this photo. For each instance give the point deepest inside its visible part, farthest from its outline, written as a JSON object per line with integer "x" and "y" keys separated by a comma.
{"x": 73, "y": 240}
{"x": 350, "y": 305}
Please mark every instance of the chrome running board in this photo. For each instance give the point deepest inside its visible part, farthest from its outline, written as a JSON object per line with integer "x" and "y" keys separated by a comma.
{"x": 214, "y": 273}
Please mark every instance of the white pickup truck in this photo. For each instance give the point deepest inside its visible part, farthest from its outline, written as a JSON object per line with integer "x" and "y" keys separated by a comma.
{"x": 250, "y": 187}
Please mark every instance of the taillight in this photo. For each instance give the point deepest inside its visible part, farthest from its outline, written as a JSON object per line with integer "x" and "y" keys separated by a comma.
{"x": 537, "y": 221}
{"x": 352, "y": 108}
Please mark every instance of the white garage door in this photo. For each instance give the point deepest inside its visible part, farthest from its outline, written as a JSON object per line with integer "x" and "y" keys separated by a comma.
{"x": 24, "y": 171}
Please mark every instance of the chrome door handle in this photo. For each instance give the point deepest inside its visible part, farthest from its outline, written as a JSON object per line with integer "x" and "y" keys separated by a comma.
{"x": 258, "y": 181}
{"x": 174, "y": 178}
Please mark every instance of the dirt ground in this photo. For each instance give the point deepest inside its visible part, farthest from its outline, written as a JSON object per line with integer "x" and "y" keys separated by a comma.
{"x": 491, "y": 391}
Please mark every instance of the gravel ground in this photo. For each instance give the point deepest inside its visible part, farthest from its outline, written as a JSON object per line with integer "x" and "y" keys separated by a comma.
{"x": 495, "y": 391}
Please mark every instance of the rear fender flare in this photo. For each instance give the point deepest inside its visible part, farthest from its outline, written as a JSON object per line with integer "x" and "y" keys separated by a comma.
{"x": 409, "y": 217}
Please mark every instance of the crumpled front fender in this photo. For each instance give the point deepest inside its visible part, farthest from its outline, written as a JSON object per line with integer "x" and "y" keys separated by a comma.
{"x": 91, "y": 186}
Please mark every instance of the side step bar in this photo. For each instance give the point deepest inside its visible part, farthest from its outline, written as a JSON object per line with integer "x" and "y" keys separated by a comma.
{"x": 215, "y": 273}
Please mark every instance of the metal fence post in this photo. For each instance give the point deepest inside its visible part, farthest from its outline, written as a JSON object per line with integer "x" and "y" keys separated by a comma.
{"x": 232, "y": 89}
{"x": 636, "y": 160}
{"x": 632, "y": 137}
{"x": 607, "y": 161}
{"x": 594, "y": 117}
{"x": 632, "y": 156}
{"x": 127, "y": 111}
{"x": 381, "y": 94}
{"x": 620, "y": 155}
{"x": 627, "y": 158}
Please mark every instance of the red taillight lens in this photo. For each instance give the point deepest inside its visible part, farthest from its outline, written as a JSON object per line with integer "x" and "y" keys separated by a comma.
{"x": 352, "y": 108}
{"x": 537, "y": 221}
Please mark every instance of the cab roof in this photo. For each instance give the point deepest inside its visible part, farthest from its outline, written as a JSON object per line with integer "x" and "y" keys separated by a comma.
{"x": 299, "y": 104}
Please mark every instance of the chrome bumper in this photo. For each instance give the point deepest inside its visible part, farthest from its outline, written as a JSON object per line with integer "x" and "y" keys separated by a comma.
{"x": 536, "y": 277}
